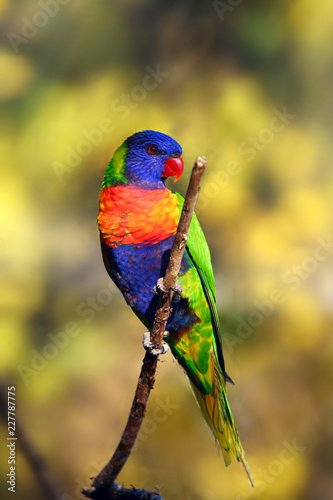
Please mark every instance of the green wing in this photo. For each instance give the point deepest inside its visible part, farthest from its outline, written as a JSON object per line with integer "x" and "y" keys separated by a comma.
{"x": 211, "y": 391}
{"x": 198, "y": 250}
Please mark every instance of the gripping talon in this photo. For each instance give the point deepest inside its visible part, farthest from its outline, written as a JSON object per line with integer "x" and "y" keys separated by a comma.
{"x": 159, "y": 288}
{"x": 151, "y": 348}
{"x": 177, "y": 291}
{"x": 178, "y": 288}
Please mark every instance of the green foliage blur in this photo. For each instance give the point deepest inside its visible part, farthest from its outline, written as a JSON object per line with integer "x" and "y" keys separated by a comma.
{"x": 249, "y": 85}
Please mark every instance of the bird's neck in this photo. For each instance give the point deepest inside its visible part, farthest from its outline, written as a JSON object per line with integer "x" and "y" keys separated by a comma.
{"x": 132, "y": 215}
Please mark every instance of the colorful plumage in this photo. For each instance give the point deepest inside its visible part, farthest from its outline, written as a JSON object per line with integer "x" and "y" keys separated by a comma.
{"x": 138, "y": 219}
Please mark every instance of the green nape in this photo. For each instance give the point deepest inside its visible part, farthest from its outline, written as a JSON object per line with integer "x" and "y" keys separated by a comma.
{"x": 115, "y": 173}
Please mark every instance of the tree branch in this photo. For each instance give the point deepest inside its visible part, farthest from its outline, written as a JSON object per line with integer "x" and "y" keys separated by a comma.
{"x": 102, "y": 483}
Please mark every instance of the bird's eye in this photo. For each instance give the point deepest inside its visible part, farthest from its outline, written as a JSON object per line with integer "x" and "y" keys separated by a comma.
{"x": 152, "y": 149}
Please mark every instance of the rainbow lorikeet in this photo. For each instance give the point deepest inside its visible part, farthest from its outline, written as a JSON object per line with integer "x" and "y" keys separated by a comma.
{"x": 138, "y": 218}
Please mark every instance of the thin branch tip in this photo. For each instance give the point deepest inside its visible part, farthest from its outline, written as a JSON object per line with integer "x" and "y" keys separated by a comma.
{"x": 201, "y": 162}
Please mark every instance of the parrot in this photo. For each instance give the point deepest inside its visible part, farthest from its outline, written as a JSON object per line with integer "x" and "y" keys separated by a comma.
{"x": 138, "y": 218}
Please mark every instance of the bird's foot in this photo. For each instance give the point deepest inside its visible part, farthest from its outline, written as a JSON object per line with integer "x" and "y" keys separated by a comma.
{"x": 177, "y": 293}
{"x": 151, "y": 347}
{"x": 177, "y": 290}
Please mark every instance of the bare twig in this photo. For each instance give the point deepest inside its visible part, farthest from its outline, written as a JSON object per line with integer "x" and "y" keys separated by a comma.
{"x": 103, "y": 481}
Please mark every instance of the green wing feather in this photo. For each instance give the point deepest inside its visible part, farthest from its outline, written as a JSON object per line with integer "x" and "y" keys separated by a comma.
{"x": 197, "y": 246}
{"x": 213, "y": 403}
{"x": 198, "y": 249}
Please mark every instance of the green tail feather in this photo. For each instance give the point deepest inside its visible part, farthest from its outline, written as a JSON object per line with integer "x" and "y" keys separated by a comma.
{"x": 216, "y": 411}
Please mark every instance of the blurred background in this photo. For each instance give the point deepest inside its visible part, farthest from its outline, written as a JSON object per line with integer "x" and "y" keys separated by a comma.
{"x": 249, "y": 85}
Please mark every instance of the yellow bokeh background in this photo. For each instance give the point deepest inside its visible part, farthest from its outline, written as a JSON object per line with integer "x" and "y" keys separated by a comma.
{"x": 247, "y": 85}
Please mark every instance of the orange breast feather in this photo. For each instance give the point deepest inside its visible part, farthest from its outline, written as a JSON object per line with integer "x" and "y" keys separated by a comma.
{"x": 131, "y": 215}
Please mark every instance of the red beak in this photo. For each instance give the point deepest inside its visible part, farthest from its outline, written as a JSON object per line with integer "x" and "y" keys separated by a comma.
{"x": 173, "y": 166}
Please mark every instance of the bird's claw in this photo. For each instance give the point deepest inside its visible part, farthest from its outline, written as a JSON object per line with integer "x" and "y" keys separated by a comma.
{"x": 151, "y": 347}
{"x": 178, "y": 288}
{"x": 159, "y": 288}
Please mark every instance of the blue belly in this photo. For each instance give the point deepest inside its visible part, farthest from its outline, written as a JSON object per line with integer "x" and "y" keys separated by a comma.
{"x": 135, "y": 270}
